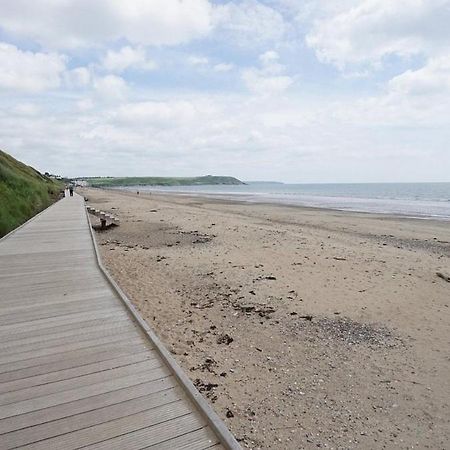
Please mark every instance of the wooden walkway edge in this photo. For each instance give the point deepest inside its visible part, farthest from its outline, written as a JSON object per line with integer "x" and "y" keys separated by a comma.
{"x": 79, "y": 367}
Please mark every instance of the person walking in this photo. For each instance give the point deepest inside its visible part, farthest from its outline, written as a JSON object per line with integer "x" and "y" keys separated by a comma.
{"x": 71, "y": 190}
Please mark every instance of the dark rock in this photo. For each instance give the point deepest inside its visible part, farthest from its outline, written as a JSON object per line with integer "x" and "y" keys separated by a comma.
{"x": 246, "y": 308}
{"x": 307, "y": 317}
{"x": 225, "y": 339}
{"x": 443, "y": 276}
{"x": 204, "y": 386}
{"x": 265, "y": 311}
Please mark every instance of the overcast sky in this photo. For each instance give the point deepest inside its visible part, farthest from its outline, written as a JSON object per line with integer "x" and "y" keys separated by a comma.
{"x": 288, "y": 90}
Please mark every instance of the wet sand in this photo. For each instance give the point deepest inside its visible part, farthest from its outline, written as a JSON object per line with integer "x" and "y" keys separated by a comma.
{"x": 304, "y": 328}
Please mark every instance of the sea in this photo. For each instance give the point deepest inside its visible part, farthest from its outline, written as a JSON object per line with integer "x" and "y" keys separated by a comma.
{"x": 417, "y": 200}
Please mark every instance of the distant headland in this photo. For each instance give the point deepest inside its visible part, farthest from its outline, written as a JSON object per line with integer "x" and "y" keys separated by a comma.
{"x": 159, "y": 181}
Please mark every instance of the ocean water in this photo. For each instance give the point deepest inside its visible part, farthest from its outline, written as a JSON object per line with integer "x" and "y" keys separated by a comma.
{"x": 421, "y": 200}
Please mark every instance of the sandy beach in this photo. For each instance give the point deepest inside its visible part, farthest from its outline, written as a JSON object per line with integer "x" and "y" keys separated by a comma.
{"x": 305, "y": 328}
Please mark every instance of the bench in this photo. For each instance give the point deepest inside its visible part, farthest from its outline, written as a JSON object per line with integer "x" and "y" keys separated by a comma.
{"x": 106, "y": 220}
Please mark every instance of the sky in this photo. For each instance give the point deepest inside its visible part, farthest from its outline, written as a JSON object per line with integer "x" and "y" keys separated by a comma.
{"x": 288, "y": 90}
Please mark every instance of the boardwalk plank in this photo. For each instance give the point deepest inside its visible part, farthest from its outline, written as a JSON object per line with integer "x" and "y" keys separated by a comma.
{"x": 200, "y": 439}
{"x": 153, "y": 435}
{"x": 74, "y": 372}
{"x": 89, "y": 419}
{"x": 67, "y": 319}
{"x": 91, "y": 335}
{"x": 72, "y": 383}
{"x": 65, "y": 360}
{"x": 113, "y": 397}
{"x": 58, "y": 398}
{"x": 78, "y": 367}
{"x": 16, "y": 357}
{"x": 114, "y": 428}
{"x": 57, "y": 311}
{"x": 12, "y": 340}
{"x": 39, "y": 303}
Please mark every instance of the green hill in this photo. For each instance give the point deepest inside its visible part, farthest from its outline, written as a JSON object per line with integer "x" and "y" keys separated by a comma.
{"x": 160, "y": 181}
{"x": 23, "y": 192}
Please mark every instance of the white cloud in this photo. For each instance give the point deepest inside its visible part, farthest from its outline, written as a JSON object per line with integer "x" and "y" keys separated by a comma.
{"x": 105, "y": 120}
{"x": 127, "y": 57}
{"x": 111, "y": 87}
{"x": 161, "y": 113}
{"x": 195, "y": 60}
{"x": 249, "y": 23}
{"x": 268, "y": 57}
{"x": 359, "y": 36}
{"x": 270, "y": 78}
{"x": 74, "y": 23}
{"x": 78, "y": 77}
{"x": 253, "y": 137}
{"x": 85, "y": 104}
{"x": 365, "y": 32}
{"x": 270, "y": 63}
{"x": 223, "y": 67}
{"x": 433, "y": 78}
{"x": 28, "y": 71}
{"x": 262, "y": 84}
{"x": 27, "y": 109}
{"x": 203, "y": 63}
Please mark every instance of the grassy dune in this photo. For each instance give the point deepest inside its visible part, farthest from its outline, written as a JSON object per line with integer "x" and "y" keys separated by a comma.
{"x": 23, "y": 192}
{"x": 161, "y": 181}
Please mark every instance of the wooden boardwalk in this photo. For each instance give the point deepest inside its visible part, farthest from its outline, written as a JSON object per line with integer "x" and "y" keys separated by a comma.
{"x": 78, "y": 367}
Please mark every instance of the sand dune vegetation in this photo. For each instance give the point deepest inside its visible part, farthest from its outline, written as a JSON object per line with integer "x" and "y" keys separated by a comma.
{"x": 23, "y": 192}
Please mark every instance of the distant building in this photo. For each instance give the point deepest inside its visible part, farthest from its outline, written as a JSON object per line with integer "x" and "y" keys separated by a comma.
{"x": 81, "y": 183}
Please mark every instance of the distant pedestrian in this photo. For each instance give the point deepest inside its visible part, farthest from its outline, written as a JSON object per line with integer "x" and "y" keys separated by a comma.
{"x": 71, "y": 191}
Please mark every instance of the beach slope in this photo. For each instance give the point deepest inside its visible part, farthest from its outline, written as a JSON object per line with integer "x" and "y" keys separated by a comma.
{"x": 304, "y": 328}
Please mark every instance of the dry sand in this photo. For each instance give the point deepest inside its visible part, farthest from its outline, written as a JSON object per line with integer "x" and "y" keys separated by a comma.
{"x": 305, "y": 328}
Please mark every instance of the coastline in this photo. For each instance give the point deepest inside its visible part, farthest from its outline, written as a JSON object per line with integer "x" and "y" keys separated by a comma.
{"x": 234, "y": 199}
{"x": 303, "y": 326}
{"x": 412, "y": 207}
